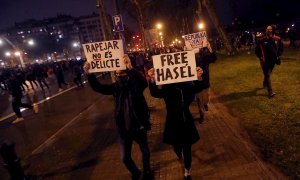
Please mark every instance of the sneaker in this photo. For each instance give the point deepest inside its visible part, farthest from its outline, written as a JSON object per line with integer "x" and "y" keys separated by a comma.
{"x": 35, "y": 108}
{"x": 20, "y": 119}
{"x": 272, "y": 94}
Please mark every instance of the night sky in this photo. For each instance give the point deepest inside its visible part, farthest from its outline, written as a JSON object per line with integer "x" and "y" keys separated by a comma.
{"x": 18, "y": 10}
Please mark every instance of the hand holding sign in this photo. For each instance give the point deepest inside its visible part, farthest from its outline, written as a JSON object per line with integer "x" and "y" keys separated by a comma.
{"x": 105, "y": 56}
{"x": 151, "y": 74}
{"x": 199, "y": 73}
{"x": 86, "y": 67}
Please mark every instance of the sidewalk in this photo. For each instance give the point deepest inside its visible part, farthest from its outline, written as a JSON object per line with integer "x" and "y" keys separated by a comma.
{"x": 224, "y": 151}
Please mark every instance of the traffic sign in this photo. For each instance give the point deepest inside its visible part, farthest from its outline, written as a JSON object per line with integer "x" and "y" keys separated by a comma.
{"x": 118, "y": 23}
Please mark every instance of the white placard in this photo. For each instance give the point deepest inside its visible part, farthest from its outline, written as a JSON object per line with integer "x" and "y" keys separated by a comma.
{"x": 105, "y": 56}
{"x": 196, "y": 40}
{"x": 175, "y": 67}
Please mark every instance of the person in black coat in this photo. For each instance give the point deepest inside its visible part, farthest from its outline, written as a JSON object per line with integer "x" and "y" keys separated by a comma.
{"x": 180, "y": 130}
{"x": 131, "y": 113}
{"x": 15, "y": 90}
{"x": 269, "y": 49}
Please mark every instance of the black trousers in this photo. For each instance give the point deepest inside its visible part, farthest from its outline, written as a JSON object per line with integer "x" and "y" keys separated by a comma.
{"x": 267, "y": 70}
{"x": 126, "y": 141}
{"x": 17, "y": 103}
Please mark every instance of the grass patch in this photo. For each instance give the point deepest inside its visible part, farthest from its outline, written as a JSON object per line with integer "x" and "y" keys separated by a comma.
{"x": 273, "y": 124}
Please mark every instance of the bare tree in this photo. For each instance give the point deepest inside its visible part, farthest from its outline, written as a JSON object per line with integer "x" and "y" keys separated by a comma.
{"x": 215, "y": 20}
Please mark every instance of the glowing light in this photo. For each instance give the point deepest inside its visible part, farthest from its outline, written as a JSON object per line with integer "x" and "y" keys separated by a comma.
{"x": 17, "y": 53}
{"x": 7, "y": 54}
{"x": 31, "y": 42}
{"x": 158, "y": 25}
{"x": 201, "y": 26}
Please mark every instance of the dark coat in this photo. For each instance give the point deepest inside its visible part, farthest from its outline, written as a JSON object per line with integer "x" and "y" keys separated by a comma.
{"x": 269, "y": 49}
{"x": 137, "y": 103}
{"x": 203, "y": 59}
{"x": 14, "y": 87}
{"x": 179, "y": 126}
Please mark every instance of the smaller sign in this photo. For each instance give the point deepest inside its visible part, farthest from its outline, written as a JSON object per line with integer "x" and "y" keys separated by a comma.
{"x": 118, "y": 23}
{"x": 105, "y": 56}
{"x": 175, "y": 67}
{"x": 196, "y": 40}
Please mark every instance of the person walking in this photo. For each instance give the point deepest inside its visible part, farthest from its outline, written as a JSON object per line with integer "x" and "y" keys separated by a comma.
{"x": 16, "y": 93}
{"x": 58, "y": 71}
{"x": 269, "y": 49}
{"x": 77, "y": 72}
{"x": 131, "y": 112}
{"x": 180, "y": 130}
{"x": 203, "y": 59}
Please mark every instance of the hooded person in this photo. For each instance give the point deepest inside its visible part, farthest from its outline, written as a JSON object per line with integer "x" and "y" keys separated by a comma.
{"x": 131, "y": 114}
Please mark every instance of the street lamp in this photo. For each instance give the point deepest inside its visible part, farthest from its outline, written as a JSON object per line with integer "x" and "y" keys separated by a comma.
{"x": 75, "y": 44}
{"x": 201, "y": 26}
{"x": 7, "y": 54}
{"x": 1, "y": 42}
{"x": 158, "y": 25}
{"x": 30, "y": 42}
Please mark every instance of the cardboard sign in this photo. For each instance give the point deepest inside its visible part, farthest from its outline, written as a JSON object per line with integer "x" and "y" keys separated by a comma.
{"x": 175, "y": 67}
{"x": 105, "y": 56}
{"x": 196, "y": 40}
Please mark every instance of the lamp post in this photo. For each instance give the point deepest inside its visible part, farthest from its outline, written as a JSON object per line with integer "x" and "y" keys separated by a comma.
{"x": 201, "y": 26}
{"x": 159, "y": 26}
{"x": 17, "y": 51}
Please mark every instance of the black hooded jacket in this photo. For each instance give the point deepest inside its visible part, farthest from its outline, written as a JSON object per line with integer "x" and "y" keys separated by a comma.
{"x": 138, "y": 108}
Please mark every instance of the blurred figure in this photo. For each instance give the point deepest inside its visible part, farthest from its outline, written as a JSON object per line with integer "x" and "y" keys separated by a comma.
{"x": 40, "y": 76}
{"x": 77, "y": 75}
{"x": 16, "y": 93}
{"x": 58, "y": 71}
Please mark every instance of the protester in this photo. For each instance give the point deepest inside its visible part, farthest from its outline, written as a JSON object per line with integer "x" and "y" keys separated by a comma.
{"x": 16, "y": 93}
{"x": 58, "y": 71}
{"x": 203, "y": 59}
{"x": 269, "y": 49}
{"x": 131, "y": 112}
{"x": 180, "y": 130}
{"x": 77, "y": 72}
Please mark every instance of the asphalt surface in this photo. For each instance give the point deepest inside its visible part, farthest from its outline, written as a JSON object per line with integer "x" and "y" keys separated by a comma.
{"x": 74, "y": 137}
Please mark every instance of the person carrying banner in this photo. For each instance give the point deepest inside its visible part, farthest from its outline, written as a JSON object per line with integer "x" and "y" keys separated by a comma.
{"x": 180, "y": 130}
{"x": 203, "y": 59}
{"x": 131, "y": 112}
{"x": 269, "y": 49}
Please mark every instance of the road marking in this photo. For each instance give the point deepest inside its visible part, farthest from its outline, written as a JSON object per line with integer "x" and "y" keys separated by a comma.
{"x": 51, "y": 139}
{"x": 42, "y": 101}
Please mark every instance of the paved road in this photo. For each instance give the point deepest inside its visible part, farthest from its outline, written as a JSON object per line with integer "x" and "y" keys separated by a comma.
{"x": 74, "y": 137}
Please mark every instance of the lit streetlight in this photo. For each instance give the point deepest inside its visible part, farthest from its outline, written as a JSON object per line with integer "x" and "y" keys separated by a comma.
{"x": 1, "y": 42}
{"x": 7, "y": 54}
{"x": 201, "y": 26}
{"x": 17, "y": 53}
{"x": 31, "y": 42}
{"x": 75, "y": 44}
{"x": 158, "y": 25}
